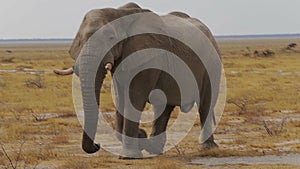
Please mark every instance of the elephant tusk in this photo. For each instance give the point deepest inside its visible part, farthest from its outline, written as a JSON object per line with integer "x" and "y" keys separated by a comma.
{"x": 64, "y": 72}
{"x": 108, "y": 66}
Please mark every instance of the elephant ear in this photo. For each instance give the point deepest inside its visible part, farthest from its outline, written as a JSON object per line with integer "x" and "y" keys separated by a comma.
{"x": 141, "y": 37}
{"x": 114, "y": 52}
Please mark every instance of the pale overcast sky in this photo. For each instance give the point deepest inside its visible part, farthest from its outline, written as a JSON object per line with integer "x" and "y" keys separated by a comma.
{"x": 61, "y": 18}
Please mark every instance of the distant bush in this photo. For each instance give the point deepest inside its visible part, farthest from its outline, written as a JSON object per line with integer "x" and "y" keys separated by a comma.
{"x": 35, "y": 83}
{"x": 8, "y": 60}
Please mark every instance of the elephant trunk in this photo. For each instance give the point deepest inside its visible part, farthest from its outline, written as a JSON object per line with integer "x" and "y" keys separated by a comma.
{"x": 91, "y": 83}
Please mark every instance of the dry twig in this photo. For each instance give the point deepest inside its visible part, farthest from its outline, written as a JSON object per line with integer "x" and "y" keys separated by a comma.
{"x": 7, "y": 156}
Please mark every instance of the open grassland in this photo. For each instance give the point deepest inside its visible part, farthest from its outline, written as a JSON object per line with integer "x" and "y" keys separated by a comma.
{"x": 38, "y": 125}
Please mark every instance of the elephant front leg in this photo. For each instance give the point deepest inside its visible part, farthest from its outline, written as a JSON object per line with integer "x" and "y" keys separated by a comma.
{"x": 119, "y": 129}
{"x": 131, "y": 144}
{"x": 157, "y": 139}
{"x": 120, "y": 120}
{"x": 130, "y": 137}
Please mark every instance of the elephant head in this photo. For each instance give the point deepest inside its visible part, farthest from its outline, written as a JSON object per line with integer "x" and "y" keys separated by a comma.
{"x": 93, "y": 21}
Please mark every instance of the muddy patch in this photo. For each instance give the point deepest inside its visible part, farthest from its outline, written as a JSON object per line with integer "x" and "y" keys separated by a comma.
{"x": 288, "y": 159}
{"x": 26, "y": 71}
{"x": 279, "y": 72}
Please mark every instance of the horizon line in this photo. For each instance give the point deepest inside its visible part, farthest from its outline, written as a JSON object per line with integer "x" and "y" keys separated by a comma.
{"x": 216, "y": 36}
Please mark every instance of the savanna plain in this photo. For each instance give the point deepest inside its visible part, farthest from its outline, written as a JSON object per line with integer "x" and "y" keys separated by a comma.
{"x": 39, "y": 127}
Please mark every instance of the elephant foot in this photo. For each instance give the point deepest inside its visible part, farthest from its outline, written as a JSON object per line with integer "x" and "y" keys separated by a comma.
{"x": 155, "y": 145}
{"x": 155, "y": 150}
{"x": 88, "y": 144}
{"x": 129, "y": 158}
{"x": 91, "y": 148}
{"x": 209, "y": 144}
{"x": 131, "y": 154}
{"x": 131, "y": 148}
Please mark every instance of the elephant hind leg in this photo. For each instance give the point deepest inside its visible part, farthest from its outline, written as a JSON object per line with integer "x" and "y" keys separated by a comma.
{"x": 206, "y": 117}
{"x": 157, "y": 139}
{"x": 161, "y": 120}
{"x": 207, "y": 138}
{"x": 119, "y": 125}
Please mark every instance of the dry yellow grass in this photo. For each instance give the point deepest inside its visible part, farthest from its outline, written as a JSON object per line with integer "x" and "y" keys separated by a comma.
{"x": 38, "y": 109}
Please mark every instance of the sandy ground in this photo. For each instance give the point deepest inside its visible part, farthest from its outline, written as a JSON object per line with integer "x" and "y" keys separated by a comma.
{"x": 258, "y": 129}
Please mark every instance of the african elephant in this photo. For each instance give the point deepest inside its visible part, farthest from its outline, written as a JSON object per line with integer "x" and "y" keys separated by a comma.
{"x": 140, "y": 86}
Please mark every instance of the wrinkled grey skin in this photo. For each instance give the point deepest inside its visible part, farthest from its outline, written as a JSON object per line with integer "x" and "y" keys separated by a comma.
{"x": 141, "y": 86}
